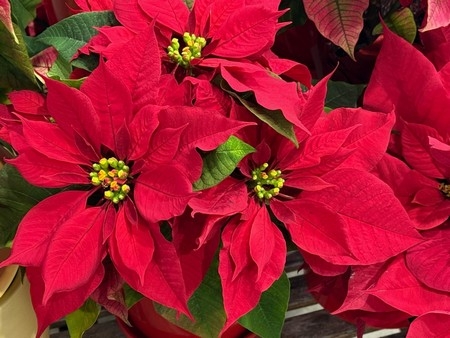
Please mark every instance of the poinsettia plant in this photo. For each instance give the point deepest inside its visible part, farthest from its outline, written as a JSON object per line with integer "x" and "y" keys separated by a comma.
{"x": 176, "y": 150}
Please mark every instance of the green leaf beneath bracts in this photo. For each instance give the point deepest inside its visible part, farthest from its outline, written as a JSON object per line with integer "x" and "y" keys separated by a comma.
{"x": 220, "y": 163}
{"x": 401, "y": 22}
{"x": 24, "y": 11}
{"x": 16, "y": 198}
{"x": 82, "y": 319}
{"x": 343, "y": 94}
{"x": 267, "y": 318}
{"x": 273, "y": 118}
{"x": 70, "y": 34}
{"x": 16, "y": 70}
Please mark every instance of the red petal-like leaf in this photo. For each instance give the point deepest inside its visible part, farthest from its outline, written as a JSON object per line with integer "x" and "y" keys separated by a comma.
{"x": 430, "y": 324}
{"x": 429, "y": 261}
{"x": 133, "y": 248}
{"x": 28, "y": 102}
{"x": 170, "y": 13}
{"x": 140, "y": 70}
{"x": 62, "y": 303}
{"x": 165, "y": 144}
{"x": 340, "y": 21}
{"x": 38, "y": 226}
{"x": 370, "y": 140}
{"x": 43, "y": 61}
{"x": 227, "y": 198}
{"x": 73, "y": 112}
{"x": 248, "y": 31}
{"x": 438, "y": 15}
{"x": 5, "y": 15}
{"x": 142, "y": 128}
{"x": 394, "y": 84}
{"x": 77, "y": 242}
{"x": 162, "y": 192}
{"x": 130, "y": 14}
{"x": 112, "y": 102}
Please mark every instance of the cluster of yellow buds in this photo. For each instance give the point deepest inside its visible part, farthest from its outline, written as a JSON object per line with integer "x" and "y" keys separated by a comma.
{"x": 112, "y": 175}
{"x": 445, "y": 188}
{"x": 192, "y": 50}
{"x": 266, "y": 184}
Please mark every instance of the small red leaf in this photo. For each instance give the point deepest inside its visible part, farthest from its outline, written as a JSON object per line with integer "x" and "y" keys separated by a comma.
{"x": 430, "y": 324}
{"x": 170, "y": 13}
{"x": 438, "y": 15}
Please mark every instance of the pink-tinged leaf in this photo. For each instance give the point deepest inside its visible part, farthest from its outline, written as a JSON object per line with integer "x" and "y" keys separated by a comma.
{"x": 5, "y": 16}
{"x": 73, "y": 112}
{"x": 430, "y": 324}
{"x": 134, "y": 248}
{"x": 162, "y": 192}
{"x": 304, "y": 182}
{"x": 271, "y": 92}
{"x": 370, "y": 140}
{"x": 130, "y": 14}
{"x": 340, "y": 21}
{"x": 242, "y": 292}
{"x": 369, "y": 209}
{"x": 140, "y": 70}
{"x": 248, "y": 31}
{"x": 111, "y": 100}
{"x": 49, "y": 173}
{"x": 44, "y": 61}
{"x": 416, "y": 148}
{"x": 62, "y": 303}
{"x": 227, "y": 198}
{"x": 49, "y": 140}
{"x": 430, "y": 262}
{"x": 38, "y": 226}
{"x": 394, "y": 84}
{"x": 206, "y": 129}
{"x": 438, "y": 15}
{"x": 28, "y": 102}
{"x": 76, "y": 243}
{"x": 172, "y": 14}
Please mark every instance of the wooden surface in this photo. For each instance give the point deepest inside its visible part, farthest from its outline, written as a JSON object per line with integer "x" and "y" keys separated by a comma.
{"x": 304, "y": 319}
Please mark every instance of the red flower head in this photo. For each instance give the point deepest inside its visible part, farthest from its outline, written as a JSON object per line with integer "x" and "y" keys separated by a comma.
{"x": 127, "y": 155}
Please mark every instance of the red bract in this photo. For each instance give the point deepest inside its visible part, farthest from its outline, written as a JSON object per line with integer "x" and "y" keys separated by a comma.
{"x": 129, "y": 153}
{"x": 321, "y": 191}
{"x": 431, "y": 324}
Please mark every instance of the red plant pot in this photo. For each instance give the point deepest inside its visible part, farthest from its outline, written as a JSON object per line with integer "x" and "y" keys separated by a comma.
{"x": 147, "y": 323}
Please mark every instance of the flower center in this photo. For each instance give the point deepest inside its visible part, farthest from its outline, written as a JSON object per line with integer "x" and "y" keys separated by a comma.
{"x": 192, "y": 50}
{"x": 266, "y": 184}
{"x": 112, "y": 175}
{"x": 445, "y": 188}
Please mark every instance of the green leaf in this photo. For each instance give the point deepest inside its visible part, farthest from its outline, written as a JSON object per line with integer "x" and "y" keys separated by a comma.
{"x": 23, "y": 11}
{"x": 61, "y": 69}
{"x": 206, "y": 305}
{"x": 342, "y": 94}
{"x": 274, "y": 118}
{"x": 70, "y": 34}
{"x": 131, "y": 296}
{"x": 82, "y": 319}
{"x": 220, "y": 163}
{"x": 16, "y": 70}
{"x": 16, "y": 197}
{"x": 189, "y": 3}
{"x": 402, "y": 23}
{"x": 267, "y": 319}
